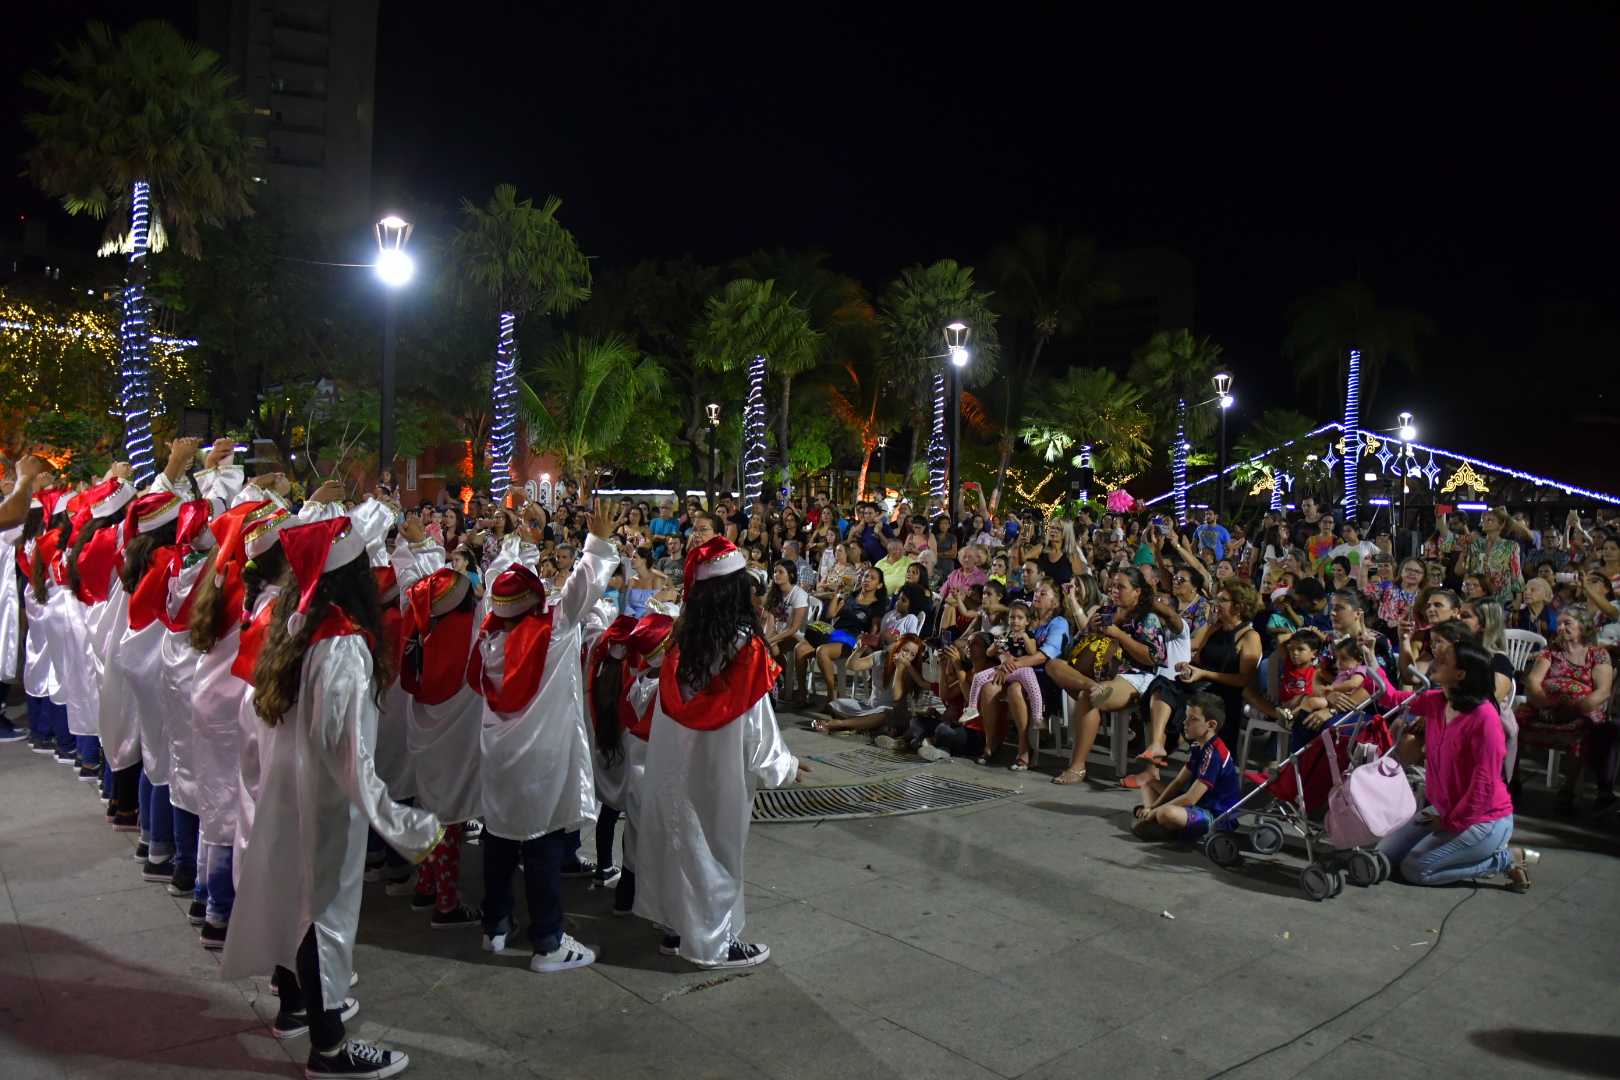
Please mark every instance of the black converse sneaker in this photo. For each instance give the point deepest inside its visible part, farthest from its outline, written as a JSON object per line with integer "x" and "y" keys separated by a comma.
{"x": 41, "y": 744}
{"x": 213, "y": 937}
{"x": 605, "y": 876}
{"x": 579, "y": 868}
{"x": 670, "y": 945}
{"x": 741, "y": 955}
{"x": 452, "y": 920}
{"x": 184, "y": 881}
{"x": 568, "y": 954}
{"x": 357, "y": 1060}
{"x": 160, "y": 872}
{"x": 198, "y": 913}
{"x": 142, "y": 850}
{"x": 290, "y": 1025}
{"x": 421, "y": 901}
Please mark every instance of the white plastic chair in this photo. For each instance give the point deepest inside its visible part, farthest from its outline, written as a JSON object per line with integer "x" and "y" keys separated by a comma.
{"x": 1522, "y": 645}
{"x": 1258, "y": 723}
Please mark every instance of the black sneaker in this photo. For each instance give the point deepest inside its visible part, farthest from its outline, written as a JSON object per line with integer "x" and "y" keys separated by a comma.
{"x": 671, "y": 945}
{"x": 624, "y": 895}
{"x": 291, "y": 1025}
{"x": 90, "y": 775}
{"x": 10, "y": 732}
{"x": 741, "y": 955}
{"x": 122, "y": 822}
{"x": 579, "y": 868}
{"x": 605, "y": 876}
{"x": 41, "y": 745}
{"x": 67, "y": 758}
{"x": 142, "y": 850}
{"x": 213, "y": 937}
{"x": 198, "y": 913}
{"x": 474, "y": 833}
{"x": 184, "y": 881}
{"x": 158, "y": 871}
{"x": 357, "y": 1060}
{"x": 421, "y": 901}
{"x": 461, "y": 916}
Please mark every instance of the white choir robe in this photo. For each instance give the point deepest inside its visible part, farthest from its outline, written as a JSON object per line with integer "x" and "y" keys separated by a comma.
{"x": 186, "y": 747}
{"x": 317, "y": 795}
{"x": 39, "y": 676}
{"x": 619, "y": 785}
{"x": 247, "y": 725}
{"x": 66, "y": 640}
{"x": 11, "y": 606}
{"x": 116, "y": 702}
{"x": 696, "y": 798}
{"x": 536, "y": 769}
{"x": 411, "y": 562}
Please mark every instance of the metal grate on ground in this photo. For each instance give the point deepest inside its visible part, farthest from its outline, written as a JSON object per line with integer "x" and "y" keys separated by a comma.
{"x": 870, "y": 760}
{"x": 876, "y": 798}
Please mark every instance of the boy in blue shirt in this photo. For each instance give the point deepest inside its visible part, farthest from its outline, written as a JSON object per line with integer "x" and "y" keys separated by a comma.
{"x": 1206, "y": 787}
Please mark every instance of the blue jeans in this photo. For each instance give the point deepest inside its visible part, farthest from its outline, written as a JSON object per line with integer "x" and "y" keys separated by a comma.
{"x": 187, "y": 826}
{"x": 67, "y": 743}
{"x": 214, "y": 885}
{"x": 146, "y": 790}
{"x": 1430, "y": 856}
{"x": 90, "y": 751}
{"x": 39, "y": 717}
{"x": 542, "y": 859}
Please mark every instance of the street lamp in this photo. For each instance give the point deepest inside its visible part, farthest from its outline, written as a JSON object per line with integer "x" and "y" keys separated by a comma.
{"x": 395, "y": 268}
{"x": 1408, "y": 433}
{"x": 714, "y": 434}
{"x": 883, "y": 466}
{"x": 956, "y": 339}
{"x": 1223, "y": 394}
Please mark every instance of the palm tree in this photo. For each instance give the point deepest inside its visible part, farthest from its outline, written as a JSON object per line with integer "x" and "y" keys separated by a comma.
{"x": 1091, "y": 409}
{"x": 913, "y": 315}
{"x": 1331, "y": 322}
{"x": 1171, "y": 368}
{"x": 581, "y": 396}
{"x": 523, "y": 260}
{"x": 748, "y": 321}
{"x": 1276, "y": 446}
{"x": 1048, "y": 283}
{"x": 858, "y": 397}
{"x": 141, "y": 131}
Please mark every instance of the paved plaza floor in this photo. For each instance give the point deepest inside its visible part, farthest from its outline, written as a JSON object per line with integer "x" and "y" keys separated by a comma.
{"x": 1027, "y": 937}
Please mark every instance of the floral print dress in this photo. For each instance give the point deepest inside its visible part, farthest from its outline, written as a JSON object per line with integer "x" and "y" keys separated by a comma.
{"x": 1565, "y": 681}
{"x": 1499, "y": 565}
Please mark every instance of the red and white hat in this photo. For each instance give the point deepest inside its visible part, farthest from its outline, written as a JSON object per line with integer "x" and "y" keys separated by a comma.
{"x": 515, "y": 592}
{"x": 443, "y": 590}
{"x": 192, "y": 529}
{"x": 111, "y": 501}
{"x": 713, "y": 558}
{"x": 151, "y": 512}
{"x": 47, "y": 499}
{"x": 313, "y": 550}
{"x": 650, "y": 635}
{"x": 260, "y": 528}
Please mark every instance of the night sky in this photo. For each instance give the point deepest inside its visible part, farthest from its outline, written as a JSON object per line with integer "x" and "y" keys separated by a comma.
{"x": 1460, "y": 160}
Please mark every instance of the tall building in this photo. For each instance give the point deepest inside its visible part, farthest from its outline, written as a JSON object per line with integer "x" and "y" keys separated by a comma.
{"x": 1155, "y": 293}
{"x": 308, "y": 69}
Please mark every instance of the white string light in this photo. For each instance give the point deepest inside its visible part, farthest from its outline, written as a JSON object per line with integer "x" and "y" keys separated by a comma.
{"x": 937, "y": 450}
{"x": 504, "y": 432}
{"x": 135, "y": 345}
{"x": 1352, "y": 442}
{"x": 754, "y": 432}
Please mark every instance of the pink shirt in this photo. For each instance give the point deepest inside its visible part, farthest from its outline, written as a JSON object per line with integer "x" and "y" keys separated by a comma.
{"x": 961, "y": 580}
{"x": 1464, "y": 756}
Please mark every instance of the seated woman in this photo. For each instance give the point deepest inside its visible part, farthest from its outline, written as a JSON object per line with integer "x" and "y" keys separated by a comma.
{"x": 851, "y": 617}
{"x": 1535, "y": 612}
{"x": 1569, "y": 687}
{"x": 1225, "y": 654}
{"x": 1457, "y": 733}
{"x": 788, "y": 607}
{"x": 645, "y": 582}
{"x": 838, "y": 571}
{"x": 1034, "y": 636}
{"x": 1131, "y": 622}
{"x": 887, "y": 705}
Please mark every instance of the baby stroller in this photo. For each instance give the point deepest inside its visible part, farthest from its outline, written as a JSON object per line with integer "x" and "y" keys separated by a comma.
{"x": 1294, "y": 799}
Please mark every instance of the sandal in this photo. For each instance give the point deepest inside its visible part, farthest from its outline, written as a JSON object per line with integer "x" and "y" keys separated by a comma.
{"x": 1133, "y": 781}
{"x": 984, "y": 759}
{"x": 1020, "y": 765}
{"x": 818, "y": 724}
{"x": 1079, "y": 776}
{"x": 1519, "y": 873}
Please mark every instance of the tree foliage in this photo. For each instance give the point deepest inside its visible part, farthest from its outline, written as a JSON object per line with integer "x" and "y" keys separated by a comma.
{"x": 1330, "y": 322}
{"x": 1092, "y": 407}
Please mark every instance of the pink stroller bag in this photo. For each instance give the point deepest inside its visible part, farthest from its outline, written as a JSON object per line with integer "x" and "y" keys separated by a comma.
{"x": 1368, "y": 802}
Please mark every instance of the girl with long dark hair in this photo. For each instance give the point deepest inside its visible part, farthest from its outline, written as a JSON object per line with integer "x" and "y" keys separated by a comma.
{"x": 713, "y": 741}
{"x": 317, "y": 680}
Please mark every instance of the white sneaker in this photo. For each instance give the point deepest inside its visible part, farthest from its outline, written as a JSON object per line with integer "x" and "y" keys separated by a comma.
{"x": 494, "y": 942}
{"x": 929, "y": 752}
{"x": 568, "y": 954}
{"x": 888, "y": 742}
{"x": 969, "y": 713}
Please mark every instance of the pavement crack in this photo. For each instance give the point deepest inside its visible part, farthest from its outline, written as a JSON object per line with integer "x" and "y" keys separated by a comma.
{"x": 695, "y": 987}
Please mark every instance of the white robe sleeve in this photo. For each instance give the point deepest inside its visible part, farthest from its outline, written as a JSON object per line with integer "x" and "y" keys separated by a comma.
{"x": 220, "y": 485}
{"x": 512, "y": 553}
{"x": 346, "y": 710}
{"x": 180, "y": 487}
{"x": 764, "y": 752}
{"x": 314, "y": 511}
{"x": 413, "y": 562}
{"x": 374, "y": 519}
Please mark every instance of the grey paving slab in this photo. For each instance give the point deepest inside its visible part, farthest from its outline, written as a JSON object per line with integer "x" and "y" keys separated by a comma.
{"x": 1023, "y": 938}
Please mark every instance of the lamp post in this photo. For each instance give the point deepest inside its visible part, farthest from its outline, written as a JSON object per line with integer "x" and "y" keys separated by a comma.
{"x": 883, "y": 466}
{"x": 956, "y": 339}
{"x": 1223, "y": 395}
{"x": 714, "y": 433}
{"x": 1407, "y": 433}
{"x": 394, "y": 267}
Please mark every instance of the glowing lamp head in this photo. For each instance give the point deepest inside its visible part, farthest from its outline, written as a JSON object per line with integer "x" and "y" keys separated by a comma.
{"x": 959, "y": 356}
{"x": 714, "y": 414}
{"x": 1227, "y": 401}
{"x": 956, "y": 339}
{"x": 883, "y": 442}
{"x": 1407, "y": 432}
{"x": 394, "y": 267}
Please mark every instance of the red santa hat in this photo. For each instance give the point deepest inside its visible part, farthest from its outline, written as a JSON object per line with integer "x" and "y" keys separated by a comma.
{"x": 387, "y": 583}
{"x": 260, "y": 528}
{"x": 437, "y": 595}
{"x": 650, "y": 635}
{"x": 616, "y": 638}
{"x": 46, "y": 500}
{"x": 113, "y": 501}
{"x": 515, "y": 592}
{"x": 192, "y": 529}
{"x": 714, "y": 557}
{"x": 151, "y": 512}
{"x": 313, "y": 550}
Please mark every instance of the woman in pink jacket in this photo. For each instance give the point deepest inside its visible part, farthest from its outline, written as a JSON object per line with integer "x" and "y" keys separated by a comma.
{"x": 1456, "y": 730}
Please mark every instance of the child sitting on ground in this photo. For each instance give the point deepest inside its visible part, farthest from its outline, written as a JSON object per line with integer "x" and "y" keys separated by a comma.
{"x": 936, "y": 739}
{"x": 1206, "y": 787}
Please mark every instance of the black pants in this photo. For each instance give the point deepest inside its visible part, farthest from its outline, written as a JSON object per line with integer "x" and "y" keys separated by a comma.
{"x": 606, "y": 823}
{"x": 542, "y": 859}
{"x": 297, "y": 991}
{"x": 127, "y": 791}
{"x": 954, "y": 739}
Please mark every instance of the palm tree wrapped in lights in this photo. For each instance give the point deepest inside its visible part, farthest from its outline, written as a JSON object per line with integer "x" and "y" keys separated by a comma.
{"x": 141, "y": 132}
{"x": 1173, "y": 367}
{"x": 524, "y": 260}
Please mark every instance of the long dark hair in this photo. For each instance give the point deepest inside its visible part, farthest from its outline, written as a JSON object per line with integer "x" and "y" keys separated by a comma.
{"x": 605, "y": 709}
{"x": 208, "y": 609}
{"x": 775, "y": 596}
{"x": 1478, "y": 683}
{"x": 717, "y": 612}
{"x": 352, "y": 587}
{"x": 36, "y": 566}
{"x": 138, "y": 554}
{"x": 91, "y": 527}
{"x": 1145, "y": 593}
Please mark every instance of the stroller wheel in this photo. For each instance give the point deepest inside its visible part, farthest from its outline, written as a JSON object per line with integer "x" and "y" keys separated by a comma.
{"x": 1222, "y": 849}
{"x": 1364, "y": 869}
{"x": 1266, "y": 839}
{"x": 1338, "y": 881}
{"x": 1384, "y": 869}
{"x": 1317, "y": 883}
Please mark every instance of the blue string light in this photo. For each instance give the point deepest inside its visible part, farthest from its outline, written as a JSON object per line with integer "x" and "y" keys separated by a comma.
{"x": 754, "y": 432}
{"x": 503, "y": 435}
{"x": 937, "y": 450}
{"x": 1352, "y": 442}
{"x": 135, "y": 344}
{"x": 1178, "y": 466}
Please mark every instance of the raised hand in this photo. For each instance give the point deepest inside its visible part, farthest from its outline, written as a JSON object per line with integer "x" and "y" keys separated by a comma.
{"x": 602, "y": 519}
{"x": 329, "y": 492}
{"x": 220, "y": 453}
{"x": 411, "y": 528}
